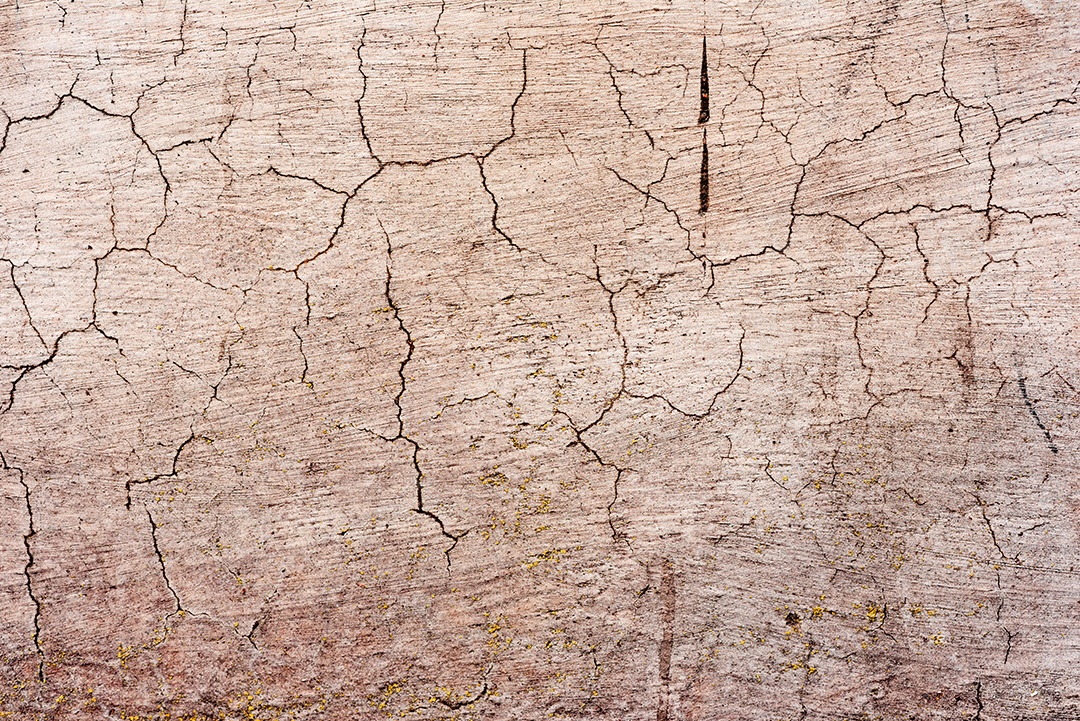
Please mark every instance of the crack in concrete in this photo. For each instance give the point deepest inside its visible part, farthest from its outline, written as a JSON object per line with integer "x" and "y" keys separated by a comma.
{"x": 1022, "y": 383}
{"x": 31, "y": 532}
{"x": 157, "y": 477}
{"x": 992, "y": 210}
{"x": 650, "y": 196}
{"x": 618, "y": 90}
{"x": 703, "y": 185}
{"x": 435, "y": 31}
{"x": 703, "y": 113}
{"x": 161, "y": 564}
{"x": 716, "y": 396}
{"x": 926, "y": 273}
{"x": 411, "y": 347}
{"x": 26, "y": 308}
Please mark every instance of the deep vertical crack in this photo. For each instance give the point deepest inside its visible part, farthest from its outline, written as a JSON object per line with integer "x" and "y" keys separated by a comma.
{"x": 1020, "y": 381}
{"x": 579, "y": 433}
{"x": 438, "y": 36}
{"x": 161, "y": 562}
{"x": 363, "y": 94}
{"x": 31, "y": 532}
{"x": 926, "y": 273}
{"x": 411, "y": 347}
{"x": 619, "y": 97}
{"x": 990, "y": 527}
{"x": 513, "y": 106}
{"x": 703, "y": 114}
{"x": 703, "y": 197}
{"x": 495, "y": 208}
{"x": 183, "y": 42}
{"x": 26, "y": 308}
{"x": 300, "y": 339}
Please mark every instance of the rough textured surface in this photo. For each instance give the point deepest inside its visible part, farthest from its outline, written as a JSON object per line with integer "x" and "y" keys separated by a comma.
{"x": 413, "y": 360}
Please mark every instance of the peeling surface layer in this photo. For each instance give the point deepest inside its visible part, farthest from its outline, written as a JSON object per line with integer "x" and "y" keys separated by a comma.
{"x": 524, "y": 360}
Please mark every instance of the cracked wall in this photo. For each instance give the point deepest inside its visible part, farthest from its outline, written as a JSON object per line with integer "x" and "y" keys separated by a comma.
{"x": 539, "y": 360}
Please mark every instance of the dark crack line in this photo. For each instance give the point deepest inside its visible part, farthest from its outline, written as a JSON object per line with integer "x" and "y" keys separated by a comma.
{"x": 480, "y": 158}
{"x": 7, "y": 129}
{"x": 616, "y": 535}
{"x": 736, "y": 529}
{"x": 93, "y": 324}
{"x": 649, "y": 196}
{"x": 514, "y": 105}
{"x": 1042, "y": 113}
{"x": 767, "y": 468}
{"x": 171, "y": 474}
{"x": 250, "y": 634}
{"x": 274, "y": 171}
{"x": 990, "y": 527}
{"x": 703, "y": 188}
{"x": 411, "y": 348}
{"x": 363, "y": 94}
{"x": 622, "y": 342}
{"x": 703, "y": 114}
{"x": 26, "y": 369}
{"x": 618, "y": 91}
{"x": 869, "y": 288}
{"x": 495, "y": 208}
{"x": 622, "y": 392}
{"x": 146, "y": 145}
{"x": 865, "y": 312}
{"x": 438, "y": 37}
{"x": 579, "y": 433}
{"x": 926, "y": 273}
{"x": 782, "y": 250}
{"x": 31, "y": 532}
{"x": 322, "y": 251}
{"x": 716, "y": 396}
{"x": 183, "y": 41}
{"x": 161, "y": 561}
{"x": 1034, "y": 414}
{"x": 26, "y": 308}
{"x": 300, "y": 339}
{"x": 454, "y": 705}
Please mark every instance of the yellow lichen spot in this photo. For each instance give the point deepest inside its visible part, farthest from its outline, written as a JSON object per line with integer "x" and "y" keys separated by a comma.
{"x": 554, "y": 555}
{"x": 495, "y": 479}
{"x": 125, "y": 654}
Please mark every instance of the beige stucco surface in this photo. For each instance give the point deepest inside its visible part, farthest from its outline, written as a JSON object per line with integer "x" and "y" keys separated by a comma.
{"x": 380, "y": 359}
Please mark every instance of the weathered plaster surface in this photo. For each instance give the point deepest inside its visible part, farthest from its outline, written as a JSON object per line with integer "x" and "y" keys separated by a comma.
{"x": 381, "y": 359}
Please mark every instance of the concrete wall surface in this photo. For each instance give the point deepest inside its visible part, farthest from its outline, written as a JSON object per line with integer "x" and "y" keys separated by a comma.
{"x": 567, "y": 359}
